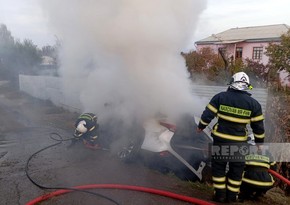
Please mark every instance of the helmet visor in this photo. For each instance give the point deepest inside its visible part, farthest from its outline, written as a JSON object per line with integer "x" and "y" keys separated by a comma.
{"x": 240, "y": 86}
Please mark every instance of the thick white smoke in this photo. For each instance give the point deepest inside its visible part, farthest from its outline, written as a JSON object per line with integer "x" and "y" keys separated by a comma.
{"x": 126, "y": 53}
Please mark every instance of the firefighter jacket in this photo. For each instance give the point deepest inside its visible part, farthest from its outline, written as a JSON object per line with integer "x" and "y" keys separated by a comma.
{"x": 256, "y": 171}
{"x": 234, "y": 110}
{"x": 90, "y": 118}
{"x": 91, "y": 124}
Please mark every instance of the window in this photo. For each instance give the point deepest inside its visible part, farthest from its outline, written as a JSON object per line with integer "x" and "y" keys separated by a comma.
{"x": 257, "y": 53}
{"x": 239, "y": 52}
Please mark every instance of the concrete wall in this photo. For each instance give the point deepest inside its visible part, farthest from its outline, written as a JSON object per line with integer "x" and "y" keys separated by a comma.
{"x": 49, "y": 88}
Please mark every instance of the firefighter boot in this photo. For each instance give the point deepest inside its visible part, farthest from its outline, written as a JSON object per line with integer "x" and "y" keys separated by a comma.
{"x": 232, "y": 197}
{"x": 220, "y": 195}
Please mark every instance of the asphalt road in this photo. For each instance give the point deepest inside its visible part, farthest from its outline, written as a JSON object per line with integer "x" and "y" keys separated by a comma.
{"x": 26, "y": 124}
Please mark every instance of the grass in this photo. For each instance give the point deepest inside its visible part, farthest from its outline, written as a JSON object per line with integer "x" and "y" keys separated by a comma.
{"x": 275, "y": 196}
{"x": 204, "y": 187}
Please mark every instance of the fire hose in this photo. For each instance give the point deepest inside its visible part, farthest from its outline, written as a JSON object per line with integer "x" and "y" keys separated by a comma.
{"x": 279, "y": 176}
{"x": 123, "y": 187}
{"x": 83, "y": 188}
{"x": 136, "y": 188}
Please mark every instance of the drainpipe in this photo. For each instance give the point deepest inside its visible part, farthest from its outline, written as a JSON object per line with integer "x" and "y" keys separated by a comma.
{"x": 235, "y": 49}
{"x": 224, "y": 59}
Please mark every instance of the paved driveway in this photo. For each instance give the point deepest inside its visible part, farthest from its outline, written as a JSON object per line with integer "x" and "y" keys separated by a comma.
{"x": 25, "y": 127}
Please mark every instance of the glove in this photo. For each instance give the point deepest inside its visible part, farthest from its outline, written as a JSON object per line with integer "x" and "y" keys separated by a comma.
{"x": 73, "y": 142}
{"x": 198, "y": 130}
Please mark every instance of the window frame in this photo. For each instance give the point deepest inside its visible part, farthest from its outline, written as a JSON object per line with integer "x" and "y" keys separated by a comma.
{"x": 239, "y": 52}
{"x": 257, "y": 53}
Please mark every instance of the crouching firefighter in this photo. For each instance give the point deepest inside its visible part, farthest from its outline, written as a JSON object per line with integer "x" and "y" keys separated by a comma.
{"x": 87, "y": 130}
{"x": 234, "y": 109}
{"x": 256, "y": 179}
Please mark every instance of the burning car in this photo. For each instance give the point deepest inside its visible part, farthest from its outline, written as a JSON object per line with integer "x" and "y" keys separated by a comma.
{"x": 169, "y": 147}
{"x": 158, "y": 143}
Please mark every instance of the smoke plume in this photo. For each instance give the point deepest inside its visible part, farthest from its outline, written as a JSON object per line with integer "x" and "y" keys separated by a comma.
{"x": 123, "y": 56}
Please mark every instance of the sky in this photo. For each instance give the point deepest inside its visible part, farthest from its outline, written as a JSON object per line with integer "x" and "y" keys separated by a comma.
{"x": 221, "y": 15}
{"x": 126, "y": 53}
{"x": 26, "y": 20}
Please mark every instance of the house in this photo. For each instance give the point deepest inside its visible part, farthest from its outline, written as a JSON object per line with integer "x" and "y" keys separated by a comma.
{"x": 245, "y": 42}
{"x": 47, "y": 66}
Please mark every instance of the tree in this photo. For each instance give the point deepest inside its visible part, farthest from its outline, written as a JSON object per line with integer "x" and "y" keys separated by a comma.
{"x": 16, "y": 57}
{"x": 26, "y": 57}
{"x": 53, "y": 52}
{"x": 5, "y": 36}
{"x": 279, "y": 55}
{"x": 50, "y": 51}
{"x": 207, "y": 63}
{"x": 6, "y": 50}
{"x": 258, "y": 72}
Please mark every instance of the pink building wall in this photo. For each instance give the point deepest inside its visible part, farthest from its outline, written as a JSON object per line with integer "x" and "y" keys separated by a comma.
{"x": 248, "y": 53}
{"x": 247, "y": 49}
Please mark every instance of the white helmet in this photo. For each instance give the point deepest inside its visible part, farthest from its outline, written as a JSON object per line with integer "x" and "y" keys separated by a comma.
{"x": 240, "y": 81}
{"x": 81, "y": 129}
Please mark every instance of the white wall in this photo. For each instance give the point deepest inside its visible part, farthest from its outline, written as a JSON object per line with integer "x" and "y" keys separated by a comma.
{"x": 48, "y": 88}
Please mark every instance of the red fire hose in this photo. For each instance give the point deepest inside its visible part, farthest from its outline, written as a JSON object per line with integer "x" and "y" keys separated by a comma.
{"x": 124, "y": 187}
{"x": 279, "y": 176}
{"x": 138, "y": 188}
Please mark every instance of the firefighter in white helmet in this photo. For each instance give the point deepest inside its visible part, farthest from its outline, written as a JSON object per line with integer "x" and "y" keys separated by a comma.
{"x": 86, "y": 129}
{"x": 240, "y": 81}
{"x": 234, "y": 109}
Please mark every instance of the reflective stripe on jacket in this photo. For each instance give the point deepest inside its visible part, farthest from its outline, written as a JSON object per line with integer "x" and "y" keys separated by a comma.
{"x": 256, "y": 170}
{"x": 234, "y": 110}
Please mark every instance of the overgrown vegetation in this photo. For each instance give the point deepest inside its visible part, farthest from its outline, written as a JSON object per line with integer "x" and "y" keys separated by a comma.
{"x": 209, "y": 65}
{"x": 279, "y": 55}
{"x": 18, "y": 57}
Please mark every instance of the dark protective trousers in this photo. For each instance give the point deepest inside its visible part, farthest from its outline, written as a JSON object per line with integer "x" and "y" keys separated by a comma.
{"x": 248, "y": 191}
{"x": 227, "y": 184}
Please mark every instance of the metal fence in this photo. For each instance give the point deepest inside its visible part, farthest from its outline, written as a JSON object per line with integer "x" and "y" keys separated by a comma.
{"x": 260, "y": 94}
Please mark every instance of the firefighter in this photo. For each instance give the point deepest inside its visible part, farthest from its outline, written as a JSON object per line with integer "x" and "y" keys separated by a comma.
{"x": 234, "y": 109}
{"x": 87, "y": 130}
{"x": 256, "y": 179}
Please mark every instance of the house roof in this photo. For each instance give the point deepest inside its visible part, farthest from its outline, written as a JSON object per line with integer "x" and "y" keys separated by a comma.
{"x": 254, "y": 34}
{"x": 47, "y": 60}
